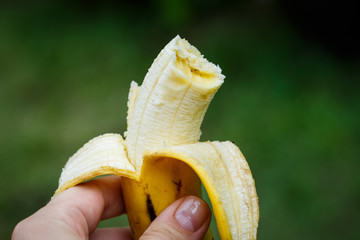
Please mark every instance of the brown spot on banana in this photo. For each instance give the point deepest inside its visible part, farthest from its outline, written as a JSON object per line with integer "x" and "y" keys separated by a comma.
{"x": 150, "y": 208}
{"x": 178, "y": 185}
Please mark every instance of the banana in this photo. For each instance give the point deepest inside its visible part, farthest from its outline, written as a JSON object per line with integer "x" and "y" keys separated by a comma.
{"x": 161, "y": 158}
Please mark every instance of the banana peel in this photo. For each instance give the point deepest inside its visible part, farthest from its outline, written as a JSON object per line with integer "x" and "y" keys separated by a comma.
{"x": 161, "y": 158}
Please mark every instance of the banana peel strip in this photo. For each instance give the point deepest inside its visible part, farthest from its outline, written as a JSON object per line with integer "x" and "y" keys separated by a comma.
{"x": 105, "y": 154}
{"x": 228, "y": 181}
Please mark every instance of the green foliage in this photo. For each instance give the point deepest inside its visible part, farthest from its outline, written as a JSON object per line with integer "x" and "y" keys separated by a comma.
{"x": 291, "y": 107}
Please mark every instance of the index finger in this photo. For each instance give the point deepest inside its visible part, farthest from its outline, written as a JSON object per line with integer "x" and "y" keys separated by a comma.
{"x": 74, "y": 213}
{"x": 93, "y": 201}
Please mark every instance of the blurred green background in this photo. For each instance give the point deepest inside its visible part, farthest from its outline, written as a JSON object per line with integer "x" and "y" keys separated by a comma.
{"x": 290, "y": 100}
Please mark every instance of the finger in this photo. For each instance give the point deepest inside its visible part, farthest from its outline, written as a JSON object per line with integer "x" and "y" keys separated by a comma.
{"x": 111, "y": 234}
{"x": 187, "y": 218}
{"x": 96, "y": 200}
{"x": 75, "y": 212}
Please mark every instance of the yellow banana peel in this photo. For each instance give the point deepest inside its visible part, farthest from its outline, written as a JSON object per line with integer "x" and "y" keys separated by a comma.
{"x": 161, "y": 158}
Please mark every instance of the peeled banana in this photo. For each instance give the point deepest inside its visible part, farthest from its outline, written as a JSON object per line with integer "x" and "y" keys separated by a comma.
{"x": 161, "y": 158}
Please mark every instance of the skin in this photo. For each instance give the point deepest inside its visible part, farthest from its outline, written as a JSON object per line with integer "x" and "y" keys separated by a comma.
{"x": 75, "y": 213}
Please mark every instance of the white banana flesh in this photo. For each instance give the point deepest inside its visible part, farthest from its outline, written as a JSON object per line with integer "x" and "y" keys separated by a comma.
{"x": 164, "y": 118}
{"x": 171, "y": 103}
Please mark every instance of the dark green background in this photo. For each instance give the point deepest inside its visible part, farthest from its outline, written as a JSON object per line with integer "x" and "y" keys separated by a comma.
{"x": 290, "y": 100}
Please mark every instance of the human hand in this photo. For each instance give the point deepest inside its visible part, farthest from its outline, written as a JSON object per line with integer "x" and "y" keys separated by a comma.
{"x": 75, "y": 213}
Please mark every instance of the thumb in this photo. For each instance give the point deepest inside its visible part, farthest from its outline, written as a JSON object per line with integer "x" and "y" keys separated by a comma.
{"x": 188, "y": 218}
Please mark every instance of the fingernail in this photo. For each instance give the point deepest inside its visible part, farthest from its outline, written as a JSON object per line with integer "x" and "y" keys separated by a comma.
{"x": 191, "y": 214}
